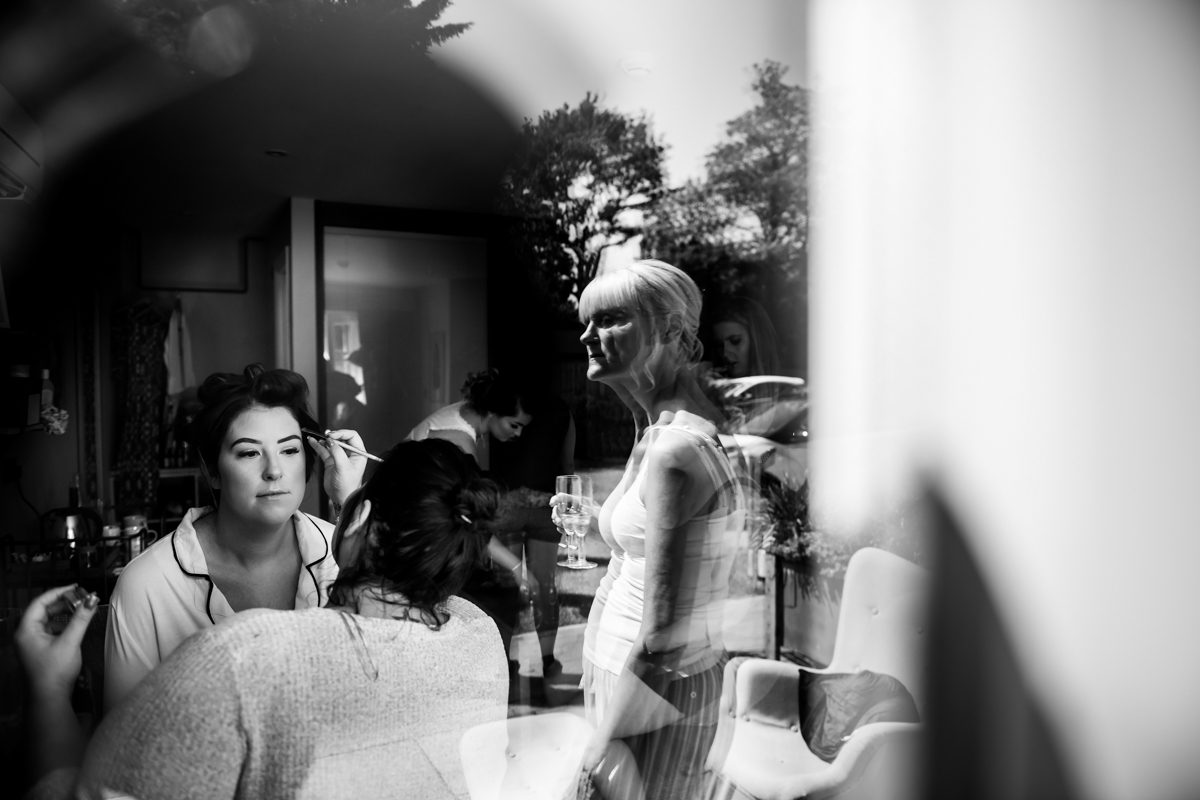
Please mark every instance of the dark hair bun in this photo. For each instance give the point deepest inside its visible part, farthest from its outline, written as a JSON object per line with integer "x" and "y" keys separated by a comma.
{"x": 431, "y": 517}
{"x": 475, "y": 503}
{"x": 267, "y": 386}
{"x": 476, "y": 387}
{"x": 492, "y": 392}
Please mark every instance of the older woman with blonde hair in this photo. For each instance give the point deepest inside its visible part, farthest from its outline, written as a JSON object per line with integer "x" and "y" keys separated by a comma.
{"x": 653, "y": 652}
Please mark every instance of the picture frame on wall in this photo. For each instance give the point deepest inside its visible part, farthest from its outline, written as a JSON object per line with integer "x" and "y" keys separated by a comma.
{"x": 195, "y": 262}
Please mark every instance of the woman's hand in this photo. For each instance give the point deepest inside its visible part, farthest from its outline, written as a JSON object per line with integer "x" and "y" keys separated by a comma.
{"x": 584, "y": 787}
{"x": 52, "y": 662}
{"x": 593, "y": 754}
{"x": 343, "y": 470}
{"x": 558, "y": 501}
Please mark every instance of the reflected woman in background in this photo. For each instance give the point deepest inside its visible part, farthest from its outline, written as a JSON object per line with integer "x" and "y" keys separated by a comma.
{"x": 653, "y": 649}
{"x": 347, "y": 701}
{"x": 492, "y": 408}
{"x": 342, "y": 398}
{"x": 253, "y": 547}
{"x": 526, "y": 469}
{"x": 743, "y": 339}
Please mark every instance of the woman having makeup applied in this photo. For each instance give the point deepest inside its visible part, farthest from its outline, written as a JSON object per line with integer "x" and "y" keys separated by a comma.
{"x": 366, "y": 697}
{"x": 253, "y": 547}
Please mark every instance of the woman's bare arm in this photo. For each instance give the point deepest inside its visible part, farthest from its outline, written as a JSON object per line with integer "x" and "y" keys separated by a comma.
{"x": 674, "y": 489}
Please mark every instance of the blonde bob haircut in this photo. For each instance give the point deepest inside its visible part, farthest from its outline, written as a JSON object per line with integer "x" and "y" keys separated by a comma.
{"x": 658, "y": 292}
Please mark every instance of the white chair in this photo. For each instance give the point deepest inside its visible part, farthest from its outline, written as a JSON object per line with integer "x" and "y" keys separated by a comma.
{"x": 537, "y": 757}
{"x": 533, "y": 757}
{"x": 760, "y": 752}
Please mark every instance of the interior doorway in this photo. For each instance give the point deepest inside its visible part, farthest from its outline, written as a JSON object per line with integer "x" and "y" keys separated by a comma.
{"x": 404, "y": 320}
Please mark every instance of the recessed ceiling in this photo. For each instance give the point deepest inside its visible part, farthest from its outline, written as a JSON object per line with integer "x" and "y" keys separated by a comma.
{"x": 355, "y": 118}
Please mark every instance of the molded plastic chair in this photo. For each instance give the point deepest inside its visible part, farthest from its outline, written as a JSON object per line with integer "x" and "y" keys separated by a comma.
{"x": 537, "y": 757}
{"x": 533, "y": 757}
{"x": 760, "y": 752}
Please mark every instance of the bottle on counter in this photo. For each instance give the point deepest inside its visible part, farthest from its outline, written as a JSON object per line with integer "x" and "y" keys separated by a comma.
{"x": 71, "y": 532}
{"x": 47, "y": 397}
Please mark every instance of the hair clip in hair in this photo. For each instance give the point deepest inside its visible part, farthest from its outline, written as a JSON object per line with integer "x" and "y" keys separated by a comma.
{"x": 465, "y": 518}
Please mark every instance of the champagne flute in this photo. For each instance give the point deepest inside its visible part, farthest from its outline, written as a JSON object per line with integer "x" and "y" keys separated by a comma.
{"x": 574, "y": 517}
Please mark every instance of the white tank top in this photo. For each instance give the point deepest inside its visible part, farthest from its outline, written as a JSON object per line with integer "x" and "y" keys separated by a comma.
{"x": 446, "y": 418}
{"x": 710, "y": 545}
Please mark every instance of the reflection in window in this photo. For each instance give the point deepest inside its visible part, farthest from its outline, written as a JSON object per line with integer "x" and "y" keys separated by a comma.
{"x": 405, "y": 321}
{"x": 346, "y": 398}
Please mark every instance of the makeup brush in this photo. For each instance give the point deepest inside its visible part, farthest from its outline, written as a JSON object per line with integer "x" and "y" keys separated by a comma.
{"x": 347, "y": 447}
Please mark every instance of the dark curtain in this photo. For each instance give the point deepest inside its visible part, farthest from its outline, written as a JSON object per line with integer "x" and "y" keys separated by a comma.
{"x": 140, "y": 380}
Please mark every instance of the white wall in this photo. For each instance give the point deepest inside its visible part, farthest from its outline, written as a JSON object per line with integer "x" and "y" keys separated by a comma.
{"x": 1006, "y": 295}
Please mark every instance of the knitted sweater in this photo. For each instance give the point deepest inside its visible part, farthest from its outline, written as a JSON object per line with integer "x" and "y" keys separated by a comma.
{"x": 307, "y": 704}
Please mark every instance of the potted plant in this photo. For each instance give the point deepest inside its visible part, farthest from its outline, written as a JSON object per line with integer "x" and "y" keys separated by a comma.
{"x": 813, "y": 554}
{"x": 810, "y": 565}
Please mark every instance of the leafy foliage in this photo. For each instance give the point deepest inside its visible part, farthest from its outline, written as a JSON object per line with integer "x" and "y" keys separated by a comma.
{"x": 716, "y": 242}
{"x": 167, "y": 24}
{"x": 815, "y": 554}
{"x": 763, "y": 163}
{"x": 577, "y": 185}
{"x": 812, "y": 553}
{"x": 744, "y": 229}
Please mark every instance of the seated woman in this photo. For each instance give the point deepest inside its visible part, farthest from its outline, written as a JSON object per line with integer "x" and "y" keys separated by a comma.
{"x": 742, "y": 339}
{"x": 253, "y": 548}
{"x": 742, "y": 344}
{"x": 355, "y": 700}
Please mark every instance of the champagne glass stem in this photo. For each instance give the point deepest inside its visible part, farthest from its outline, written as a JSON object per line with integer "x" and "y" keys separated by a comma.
{"x": 572, "y": 549}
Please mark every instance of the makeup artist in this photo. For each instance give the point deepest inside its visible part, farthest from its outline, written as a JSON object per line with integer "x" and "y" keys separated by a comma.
{"x": 253, "y": 547}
